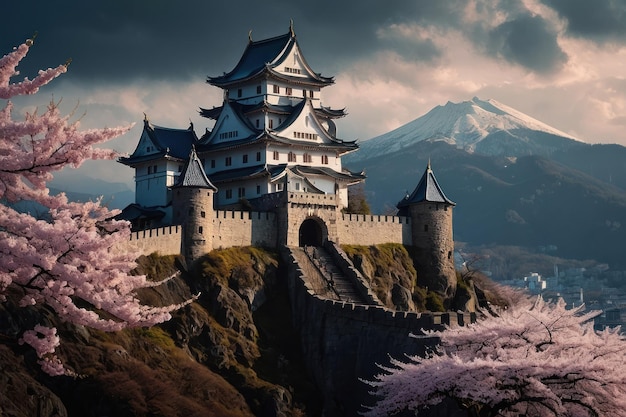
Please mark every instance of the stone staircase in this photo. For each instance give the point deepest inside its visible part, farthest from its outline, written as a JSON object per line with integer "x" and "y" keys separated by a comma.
{"x": 342, "y": 286}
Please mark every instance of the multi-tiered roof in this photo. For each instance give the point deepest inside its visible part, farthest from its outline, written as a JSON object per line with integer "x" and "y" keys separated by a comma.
{"x": 272, "y": 101}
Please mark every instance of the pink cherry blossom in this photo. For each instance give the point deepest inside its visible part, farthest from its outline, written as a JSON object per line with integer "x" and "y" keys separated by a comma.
{"x": 65, "y": 259}
{"x": 535, "y": 359}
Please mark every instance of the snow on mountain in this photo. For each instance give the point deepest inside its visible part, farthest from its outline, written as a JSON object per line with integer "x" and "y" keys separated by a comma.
{"x": 481, "y": 126}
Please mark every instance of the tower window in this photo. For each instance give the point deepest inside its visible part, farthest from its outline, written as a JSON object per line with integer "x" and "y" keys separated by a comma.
{"x": 275, "y": 155}
{"x": 241, "y": 192}
{"x": 271, "y": 123}
{"x": 239, "y": 92}
{"x": 258, "y": 189}
{"x": 245, "y": 159}
{"x": 292, "y": 157}
{"x": 307, "y": 158}
{"x": 276, "y": 89}
{"x": 257, "y": 122}
{"x": 229, "y": 193}
{"x": 258, "y": 89}
{"x": 311, "y": 93}
{"x": 325, "y": 159}
{"x": 303, "y": 93}
{"x": 212, "y": 163}
{"x": 203, "y": 214}
{"x": 200, "y": 229}
{"x": 288, "y": 91}
{"x": 228, "y": 162}
{"x": 258, "y": 156}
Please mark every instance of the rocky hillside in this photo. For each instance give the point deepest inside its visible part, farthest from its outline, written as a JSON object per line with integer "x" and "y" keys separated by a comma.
{"x": 231, "y": 353}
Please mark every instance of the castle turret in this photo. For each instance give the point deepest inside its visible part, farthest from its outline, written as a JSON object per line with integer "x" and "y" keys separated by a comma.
{"x": 431, "y": 232}
{"x": 192, "y": 202}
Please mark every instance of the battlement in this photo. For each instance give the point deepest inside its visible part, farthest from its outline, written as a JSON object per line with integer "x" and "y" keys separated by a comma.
{"x": 165, "y": 240}
{"x": 312, "y": 198}
{"x": 374, "y": 218}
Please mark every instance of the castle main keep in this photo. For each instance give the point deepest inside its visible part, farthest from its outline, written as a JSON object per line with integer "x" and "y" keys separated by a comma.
{"x": 270, "y": 173}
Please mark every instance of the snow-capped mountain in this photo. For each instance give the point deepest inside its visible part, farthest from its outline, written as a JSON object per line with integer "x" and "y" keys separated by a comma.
{"x": 481, "y": 126}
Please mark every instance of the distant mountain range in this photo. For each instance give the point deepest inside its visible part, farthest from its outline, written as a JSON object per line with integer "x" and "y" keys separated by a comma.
{"x": 516, "y": 181}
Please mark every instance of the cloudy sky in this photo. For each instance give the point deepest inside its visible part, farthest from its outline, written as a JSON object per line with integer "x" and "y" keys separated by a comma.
{"x": 560, "y": 61}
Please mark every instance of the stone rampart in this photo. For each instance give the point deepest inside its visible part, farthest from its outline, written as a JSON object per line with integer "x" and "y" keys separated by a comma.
{"x": 164, "y": 240}
{"x": 370, "y": 229}
{"x": 342, "y": 342}
{"x": 243, "y": 228}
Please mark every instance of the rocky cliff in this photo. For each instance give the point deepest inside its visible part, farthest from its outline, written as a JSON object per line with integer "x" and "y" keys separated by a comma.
{"x": 228, "y": 354}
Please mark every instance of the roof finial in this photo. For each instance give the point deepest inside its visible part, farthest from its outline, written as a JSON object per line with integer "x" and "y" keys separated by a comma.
{"x": 145, "y": 118}
{"x": 428, "y": 167}
{"x": 291, "y": 27}
{"x": 250, "y": 35}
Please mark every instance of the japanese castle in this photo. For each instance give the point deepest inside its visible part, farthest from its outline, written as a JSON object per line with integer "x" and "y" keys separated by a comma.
{"x": 272, "y": 133}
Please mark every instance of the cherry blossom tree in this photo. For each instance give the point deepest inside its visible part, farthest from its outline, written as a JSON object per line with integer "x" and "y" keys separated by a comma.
{"x": 66, "y": 259}
{"x": 536, "y": 359}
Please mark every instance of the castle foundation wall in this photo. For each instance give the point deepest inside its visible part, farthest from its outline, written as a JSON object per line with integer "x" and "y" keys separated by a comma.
{"x": 366, "y": 229}
{"x": 164, "y": 240}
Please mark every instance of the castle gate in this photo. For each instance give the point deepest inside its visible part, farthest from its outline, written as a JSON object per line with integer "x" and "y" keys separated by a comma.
{"x": 313, "y": 232}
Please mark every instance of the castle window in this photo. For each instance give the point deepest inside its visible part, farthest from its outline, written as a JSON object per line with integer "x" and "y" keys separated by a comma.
{"x": 449, "y": 254}
{"x": 288, "y": 91}
{"x": 304, "y": 93}
{"x": 239, "y": 92}
{"x": 258, "y": 89}
{"x": 292, "y": 157}
{"x": 271, "y": 121}
{"x": 258, "y": 156}
{"x": 212, "y": 163}
{"x": 245, "y": 159}
{"x": 228, "y": 162}
{"x": 203, "y": 214}
{"x": 276, "y": 89}
{"x": 325, "y": 159}
{"x": 154, "y": 169}
{"x": 257, "y": 122}
{"x": 241, "y": 192}
{"x": 311, "y": 93}
{"x": 297, "y": 186}
{"x": 258, "y": 189}
{"x": 307, "y": 158}
{"x": 275, "y": 155}
{"x": 200, "y": 229}
{"x": 229, "y": 194}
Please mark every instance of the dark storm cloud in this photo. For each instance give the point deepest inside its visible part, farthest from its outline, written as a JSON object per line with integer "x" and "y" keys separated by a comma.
{"x": 528, "y": 41}
{"x": 123, "y": 40}
{"x": 600, "y": 20}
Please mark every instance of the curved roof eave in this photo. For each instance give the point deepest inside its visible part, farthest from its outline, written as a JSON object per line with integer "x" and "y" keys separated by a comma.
{"x": 254, "y": 59}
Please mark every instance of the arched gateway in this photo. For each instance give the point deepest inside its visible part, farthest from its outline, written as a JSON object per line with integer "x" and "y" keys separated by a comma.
{"x": 312, "y": 232}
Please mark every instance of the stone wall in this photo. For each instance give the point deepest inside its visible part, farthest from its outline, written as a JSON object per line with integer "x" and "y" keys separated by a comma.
{"x": 366, "y": 229}
{"x": 243, "y": 228}
{"x": 342, "y": 342}
{"x": 164, "y": 240}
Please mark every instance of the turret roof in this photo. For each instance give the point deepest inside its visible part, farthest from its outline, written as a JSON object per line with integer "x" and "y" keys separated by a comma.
{"x": 427, "y": 190}
{"x": 193, "y": 174}
{"x": 168, "y": 142}
{"x": 261, "y": 57}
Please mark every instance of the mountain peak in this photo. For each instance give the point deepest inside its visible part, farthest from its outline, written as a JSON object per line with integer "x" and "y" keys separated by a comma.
{"x": 476, "y": 125}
